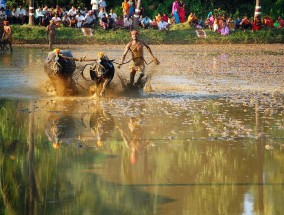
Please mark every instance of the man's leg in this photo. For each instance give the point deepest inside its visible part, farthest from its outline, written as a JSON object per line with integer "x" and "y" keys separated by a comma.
{"x": 138, "y": 82}
{"x": 132, "y": 76}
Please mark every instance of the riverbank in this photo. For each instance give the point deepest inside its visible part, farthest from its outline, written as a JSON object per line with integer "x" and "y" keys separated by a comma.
{"x": 178, "y": 34}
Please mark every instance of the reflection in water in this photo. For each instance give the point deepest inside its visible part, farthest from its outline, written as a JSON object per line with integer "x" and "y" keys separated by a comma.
{"x": 136, "y": 142}
{"x": 182, "y": 160}
{"x": 102, "y": 125}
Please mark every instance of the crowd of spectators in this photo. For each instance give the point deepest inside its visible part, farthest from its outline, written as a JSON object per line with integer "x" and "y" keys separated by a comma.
{"x": 99, "y": 15}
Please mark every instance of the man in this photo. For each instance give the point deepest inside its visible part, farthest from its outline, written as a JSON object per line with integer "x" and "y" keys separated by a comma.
{"x": 6, "y": 38}
{"x": 95, "y": 7}
{"x": 90, "y": 19}
{"x": 163, "y": 26}
{"x": 50, "y": 33}
{"x": 21, "y": 12}
{"x": 145, "y": 22}
{"x": 113, "y": 15}
{"x": 138, "y": 65}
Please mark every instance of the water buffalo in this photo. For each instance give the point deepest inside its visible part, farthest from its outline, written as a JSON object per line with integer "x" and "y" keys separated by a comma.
{"x": 101, "y": 73}
{"x": 60, "y": 63}
{"x": 60, "y": 66}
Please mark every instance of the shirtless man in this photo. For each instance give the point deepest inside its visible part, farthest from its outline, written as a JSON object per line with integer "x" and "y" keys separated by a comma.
{"x": 7, "y": 36}
{"x": 50, "y": 33}
{"x": 138, "y": 62}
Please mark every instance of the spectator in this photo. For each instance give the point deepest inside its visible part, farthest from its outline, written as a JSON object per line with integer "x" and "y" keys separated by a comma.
{"x": 276, "y": 24}
{"x": 110, "y": 22}
{"x": 158, "y": 18}
{"x": 246, "y": 23}
{"x": 175, "y": 8}
{"x": 64, "y": 11}
{"x": 209, "y": 21}
{"x": 231, "y": 24}
{"x": 39, "y": 16}
{"x": 119, "y": 22}
{"x": 85, "y": 11}
{"x": 9, "y": 14}
{"x": 6, "y": 37}
{"x": 15, "y": 16}
{"x": 128, "y": 22}
{"x": 103, "y": 4}
{"x": 79, "y": 19}
{"x": 281, "y": 21}
{"x": 165, "y": 17}
{"x": 215, "y": 25}
{"x": 139, "y": 21}
{"x": 58, "y": 11}
{"x": 125, "y": 8}
{"x": 225, "y": 29}
{"x": 95, "y": 7}
{"x": 238, "y": 23}
{"x": 113, "y": 15}
{"x": 22, "y": 14}
{"x": 192, "y": 20}
{"x": 145, "y": 22}
{"x": 45, "y": 10}
{"x": 171, "y": 20}
{"x": 56, "y": 20}
{"x": 66, "y": 20}
{"x": 90, "y": 19}
{"x": 163, "y": 26}
{"x": 256, "y": 23}
{"x": 46, "y": 19}
{"x": 102, "y": 11}
{"x": 181, "y": 11}
{"x": 154, "y": 24}
{"x": 3, "y": 15}
{"x": 103, "y": 22}
{"x": 268, "y": 21}
{"x": 50, "y": 34}
{"x": 200, "y": 23}
{"x": 72, "y": 12}
{"x": 131, "y": 7}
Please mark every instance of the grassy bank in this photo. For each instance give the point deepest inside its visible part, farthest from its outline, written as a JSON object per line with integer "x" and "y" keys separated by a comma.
{"x": 178, "y": 34}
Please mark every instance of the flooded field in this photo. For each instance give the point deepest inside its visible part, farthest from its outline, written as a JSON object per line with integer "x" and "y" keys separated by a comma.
{"x": 205, "y": 137}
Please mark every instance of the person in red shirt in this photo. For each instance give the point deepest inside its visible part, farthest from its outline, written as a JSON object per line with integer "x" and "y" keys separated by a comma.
{"x": 165, "y": 17}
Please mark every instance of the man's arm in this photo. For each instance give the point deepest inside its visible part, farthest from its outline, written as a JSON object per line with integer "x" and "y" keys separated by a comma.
{"x": 156, "y": 61}
{"x": 124, "y": 54}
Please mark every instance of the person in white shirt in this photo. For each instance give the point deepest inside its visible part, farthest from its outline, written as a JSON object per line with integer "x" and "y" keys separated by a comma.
{"x": 39, "y": 15}
{"x": 113, "y": 15}
{"x": 90, "y": 19}
{"x": 102, "y": 11}
{"x": 72, "y": 12}
{"x": 103, "y": 4}
{"x": 162, "y": 25}
{"x": 80, "y": 19}
{"x": 56, "y": 20}
{"x": 45, "y": 10}
{"x": 95, "y": 7}
{"x": 21, "y": 14}
{"x": 128, "y": 22}
{"x": 66, "y": 20}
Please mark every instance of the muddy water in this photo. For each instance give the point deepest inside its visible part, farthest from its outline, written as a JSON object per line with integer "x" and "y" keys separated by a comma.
{"x": 207, "y": 138}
